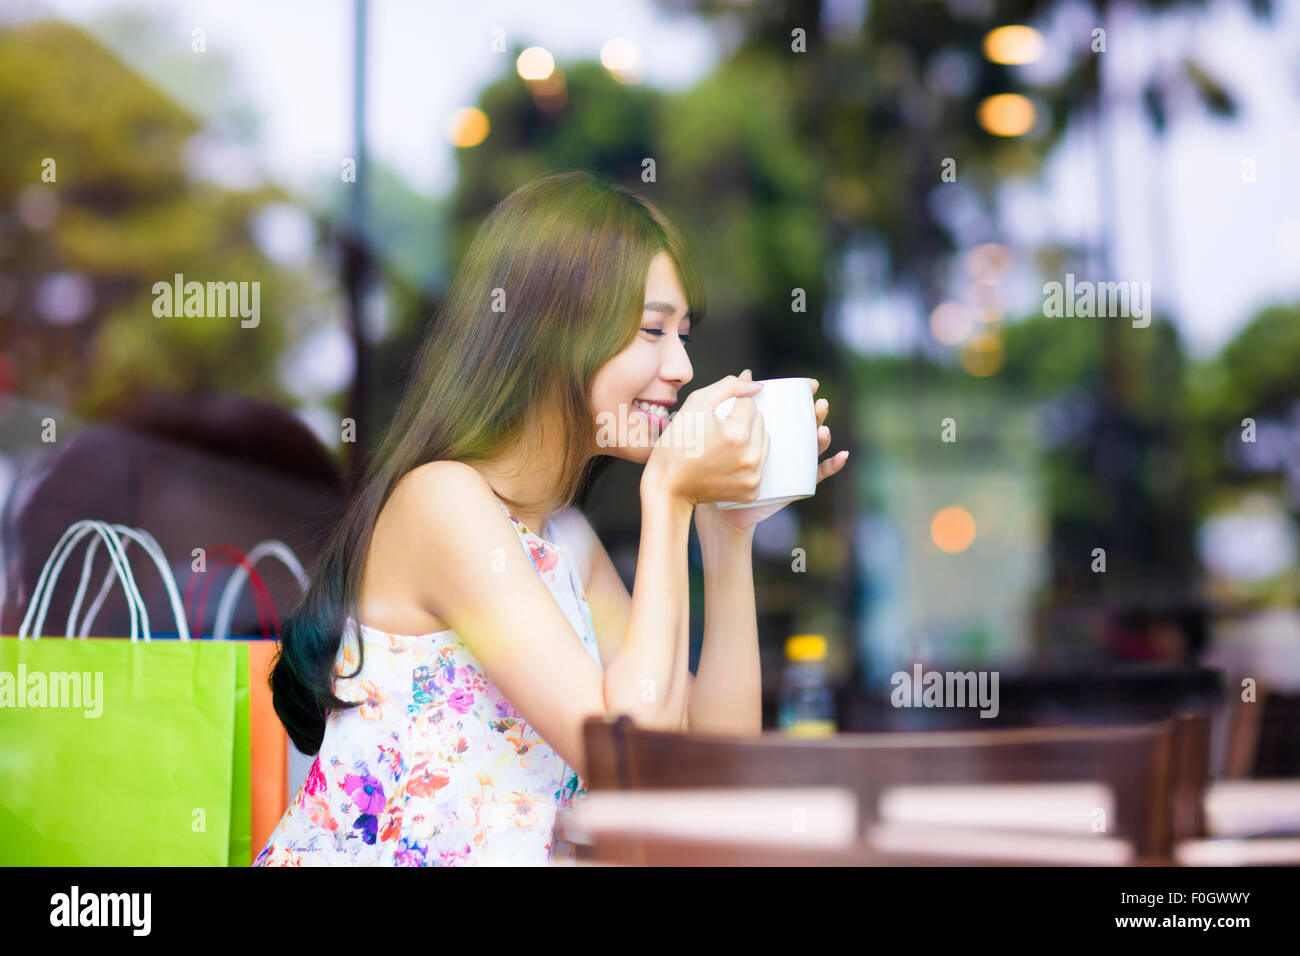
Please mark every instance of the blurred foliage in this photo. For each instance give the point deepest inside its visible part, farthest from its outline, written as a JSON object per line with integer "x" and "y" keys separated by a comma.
{"x": 774, "y": 164}
{"x": 884, "y": 94}
{"x": 729, "y": 168}
{"x": 127, "y": 214}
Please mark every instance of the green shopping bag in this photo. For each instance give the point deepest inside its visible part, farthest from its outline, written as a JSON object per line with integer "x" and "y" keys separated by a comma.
{"x": 159, "y": 778}
{"x": 122, "y": 752}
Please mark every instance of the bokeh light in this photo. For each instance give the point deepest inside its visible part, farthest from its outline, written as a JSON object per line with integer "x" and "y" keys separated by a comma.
{"x": 1013, "y": 45}
{"x": 989, "y": 260}
{"x": 619, "y": 56}
{"x": 1007, "y": 114}
{"x": 952, "y": 529}
{"x": 467, "y": 126}
{"x": 988, "y": 300}
{"x": 623, "y": 60}
{"x": 982, "y": 355}
{"x": 535, "y": 63}
{"x": 552, "y": 93}
{"x": 38, "y": 207}
{"x": 950, "y": 323}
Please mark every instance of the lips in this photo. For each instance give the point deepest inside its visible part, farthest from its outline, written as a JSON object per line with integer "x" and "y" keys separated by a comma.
{"x": 655, "y": 412}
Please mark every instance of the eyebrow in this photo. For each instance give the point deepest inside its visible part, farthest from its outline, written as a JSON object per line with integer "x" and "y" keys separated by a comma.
{"x": 665, "y": 308}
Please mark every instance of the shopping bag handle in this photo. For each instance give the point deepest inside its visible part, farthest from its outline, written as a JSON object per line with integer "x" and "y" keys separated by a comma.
{"x": 44, "y": 591}
{"x": 155, "y": 552}
{"x": 87, "y": 565}
{"x": 267, "y": 548}
{"x": 262, "y": 597}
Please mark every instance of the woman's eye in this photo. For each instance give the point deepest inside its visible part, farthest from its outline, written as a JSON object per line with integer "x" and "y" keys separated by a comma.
{"x": 684, "y": 338}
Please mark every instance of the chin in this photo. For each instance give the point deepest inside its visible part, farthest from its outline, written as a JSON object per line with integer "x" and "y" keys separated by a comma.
{"x": 638, "y": 454}
{"x": 636, "y": 445}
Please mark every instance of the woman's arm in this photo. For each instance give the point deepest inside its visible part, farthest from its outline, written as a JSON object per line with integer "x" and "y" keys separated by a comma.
{"x": 646, "y": 677}
{"x": 726, "y": 697}
{"x": 466, "y": 566}
{"x": 728, "y": 574}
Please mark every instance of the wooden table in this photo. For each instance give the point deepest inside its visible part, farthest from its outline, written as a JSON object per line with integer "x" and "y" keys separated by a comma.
{"x": 1249, "y": 822}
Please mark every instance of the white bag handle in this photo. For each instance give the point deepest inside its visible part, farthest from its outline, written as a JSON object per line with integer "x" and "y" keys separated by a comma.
{"x": 151, "y": 547}
{"x": 45, "y": 584}
{"x": 44, "y": 591}
{"x": 230, "y": 594}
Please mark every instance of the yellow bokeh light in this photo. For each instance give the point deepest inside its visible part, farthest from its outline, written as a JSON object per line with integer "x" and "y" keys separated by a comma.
{"x": 982, "y": 355}
{"x": 1014, "y": 44}
{"x": 467, "y": 126}
{"x": 1007, "y": 114}
{"x": 535, "y": 63}
{"x": 952, "y": 529}
{"x": 950, "y": 323}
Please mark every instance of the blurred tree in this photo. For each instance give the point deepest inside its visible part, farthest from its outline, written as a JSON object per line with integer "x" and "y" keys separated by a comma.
{"x": 125, "y": 208}
{"x": 1253, "y": 377}
{"x": 885, "y": 94}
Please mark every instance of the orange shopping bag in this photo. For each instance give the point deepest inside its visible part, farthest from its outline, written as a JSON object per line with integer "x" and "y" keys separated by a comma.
{"x": 269, "y": 743}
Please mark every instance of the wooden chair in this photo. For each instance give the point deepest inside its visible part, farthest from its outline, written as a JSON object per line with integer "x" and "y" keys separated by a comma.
{"x": 1263, "y": 734}
{"x": 1139, "y": 764}
{"x": 1192, "y": 732}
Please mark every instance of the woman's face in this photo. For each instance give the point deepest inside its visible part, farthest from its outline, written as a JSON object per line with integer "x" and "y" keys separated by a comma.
{"x": 652, "y": 369}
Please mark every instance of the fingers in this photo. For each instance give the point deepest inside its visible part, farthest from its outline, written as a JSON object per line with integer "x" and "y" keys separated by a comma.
{"x": 743, "y": 384}
{"x": 756, "y": 451}
{"x": 831, "y": 465}
{"x": 758, "y": 437}
{"x": 727, "y": 387}
{"x": 721, "y": 396}
{"x": 822, "y": 407}
{"x": 739, "y": 422}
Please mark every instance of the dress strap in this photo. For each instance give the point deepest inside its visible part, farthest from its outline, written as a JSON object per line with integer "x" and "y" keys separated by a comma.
{"x": 553, "y": 533}
{"x": 550, "y": 529}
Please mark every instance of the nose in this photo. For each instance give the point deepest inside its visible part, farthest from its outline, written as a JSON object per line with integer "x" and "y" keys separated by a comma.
{"x": 676, "y": 365}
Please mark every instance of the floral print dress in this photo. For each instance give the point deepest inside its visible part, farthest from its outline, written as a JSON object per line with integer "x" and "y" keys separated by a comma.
{"x": 435, "y": 768}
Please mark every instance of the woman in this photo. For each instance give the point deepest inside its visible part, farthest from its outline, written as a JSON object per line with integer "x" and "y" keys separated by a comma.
{"x": 464, "y": 620}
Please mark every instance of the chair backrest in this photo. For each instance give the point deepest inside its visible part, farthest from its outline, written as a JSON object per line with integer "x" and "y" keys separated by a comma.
{"x": 1138, "y": 763}
{"x": 1264, "y": 734}
{"x": 1191, "y": 773}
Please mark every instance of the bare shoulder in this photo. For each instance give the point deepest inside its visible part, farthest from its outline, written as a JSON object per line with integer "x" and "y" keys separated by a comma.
{"x": 438, "y": 513}
{"x": 444, "y": 501}
{"x": 442, "y": 476}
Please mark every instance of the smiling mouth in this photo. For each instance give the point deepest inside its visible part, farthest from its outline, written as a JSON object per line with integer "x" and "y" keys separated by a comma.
{"x": 657, "y": 414}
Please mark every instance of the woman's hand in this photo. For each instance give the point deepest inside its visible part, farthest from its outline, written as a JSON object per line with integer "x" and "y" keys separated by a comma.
{"x": 710, "y": 519}
{"x": 701, "y": 458}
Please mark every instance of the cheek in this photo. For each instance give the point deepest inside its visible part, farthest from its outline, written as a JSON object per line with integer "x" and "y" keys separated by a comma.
{"x": 623, "y": 378}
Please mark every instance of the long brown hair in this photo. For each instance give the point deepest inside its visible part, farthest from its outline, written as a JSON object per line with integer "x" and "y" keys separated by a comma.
{"x": 551, "y": 288}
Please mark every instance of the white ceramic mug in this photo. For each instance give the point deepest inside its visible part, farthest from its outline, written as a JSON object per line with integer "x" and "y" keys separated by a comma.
{"x": 790, "y": 473}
